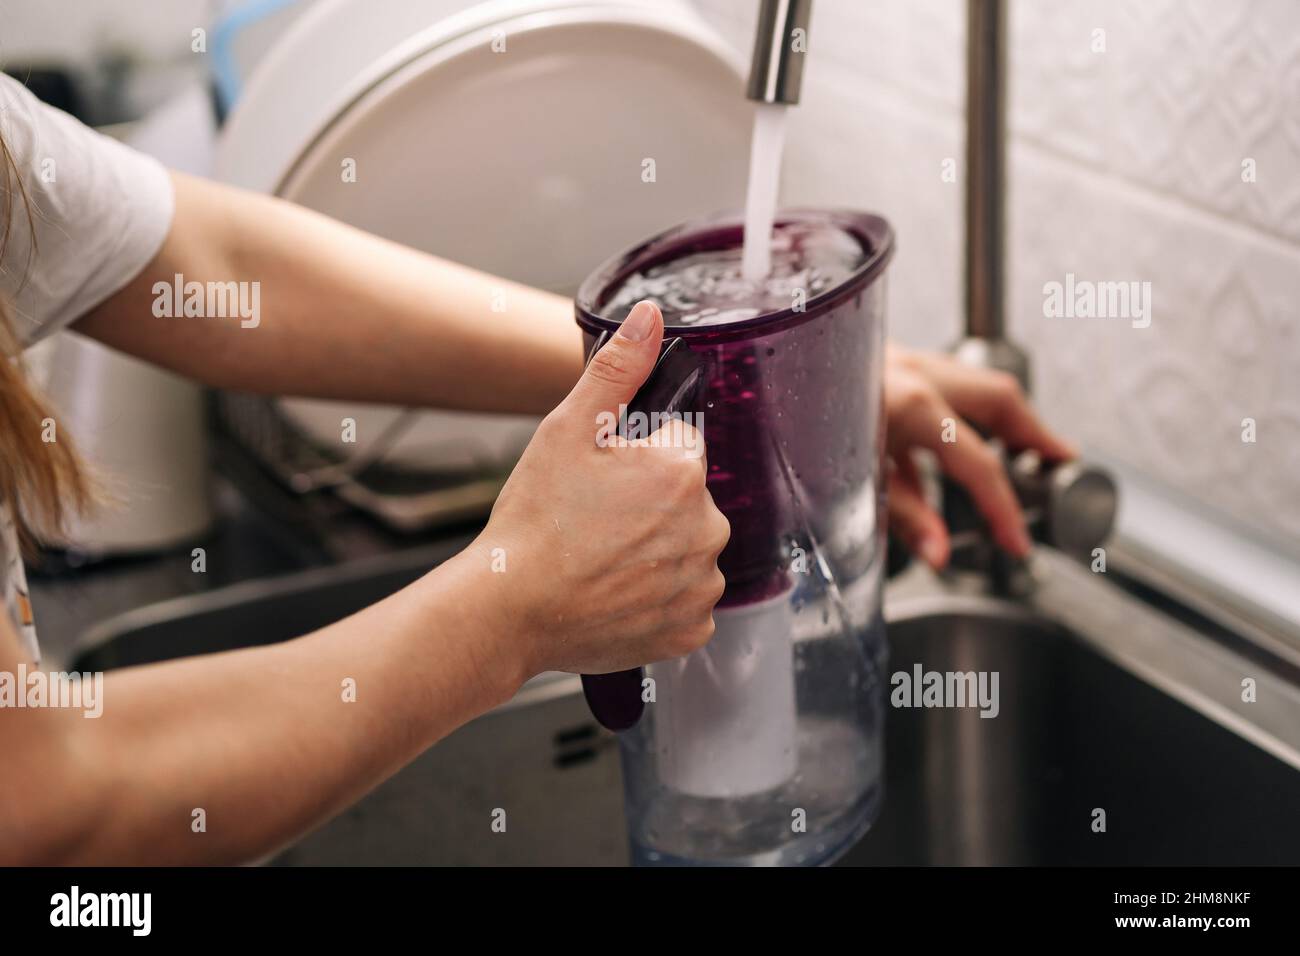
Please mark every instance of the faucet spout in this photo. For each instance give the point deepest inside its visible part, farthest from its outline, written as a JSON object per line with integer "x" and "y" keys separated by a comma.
{"x": 984, "y": 341}
{"x": 986, "y": 125}
{"x": 776, "y": 71}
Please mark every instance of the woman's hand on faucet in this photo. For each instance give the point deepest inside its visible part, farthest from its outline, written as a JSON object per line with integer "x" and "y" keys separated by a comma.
{"x": 937, "y": 403}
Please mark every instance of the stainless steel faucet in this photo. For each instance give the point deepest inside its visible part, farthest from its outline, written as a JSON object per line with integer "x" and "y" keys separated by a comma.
{"x": 776, "y": 71}
{"x": 985, "y": 342}
{"x": 1071, "y": 506}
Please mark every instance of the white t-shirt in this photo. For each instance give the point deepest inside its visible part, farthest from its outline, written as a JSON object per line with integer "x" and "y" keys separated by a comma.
{"x": 100, "y": 212}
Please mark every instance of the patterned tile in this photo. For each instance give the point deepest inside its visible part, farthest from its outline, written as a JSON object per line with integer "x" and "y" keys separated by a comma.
{"x": 1126, "y": 164}
{"x": 1184, "y": 92}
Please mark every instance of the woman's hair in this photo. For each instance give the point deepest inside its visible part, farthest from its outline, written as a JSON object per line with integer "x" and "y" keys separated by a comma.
{"x": 42, "y": 482}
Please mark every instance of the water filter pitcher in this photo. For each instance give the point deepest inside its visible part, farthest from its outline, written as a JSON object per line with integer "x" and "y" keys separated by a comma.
{"x": 765, "y": 746}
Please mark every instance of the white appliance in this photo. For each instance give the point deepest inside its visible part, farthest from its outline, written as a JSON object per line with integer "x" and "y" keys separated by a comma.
{"x": 142, "y": 431}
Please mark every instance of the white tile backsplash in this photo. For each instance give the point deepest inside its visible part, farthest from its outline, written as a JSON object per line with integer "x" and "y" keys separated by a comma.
{"x": 1185, "y": 92}
{"x": 1124, "y": 165}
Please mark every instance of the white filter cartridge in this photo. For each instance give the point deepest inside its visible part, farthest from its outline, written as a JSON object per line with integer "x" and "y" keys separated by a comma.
{"x": 725, "y": 715}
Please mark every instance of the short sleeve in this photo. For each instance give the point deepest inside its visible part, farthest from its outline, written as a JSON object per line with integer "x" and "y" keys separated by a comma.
{"x": 99, "y": 211}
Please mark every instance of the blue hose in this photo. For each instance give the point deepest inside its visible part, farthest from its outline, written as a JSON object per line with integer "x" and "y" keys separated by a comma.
{"x": 224, "y": 69}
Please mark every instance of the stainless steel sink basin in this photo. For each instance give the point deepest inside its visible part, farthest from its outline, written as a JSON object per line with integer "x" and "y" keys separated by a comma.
{"x": 1104, "y": 703}
{"x": 1075, "y": 732}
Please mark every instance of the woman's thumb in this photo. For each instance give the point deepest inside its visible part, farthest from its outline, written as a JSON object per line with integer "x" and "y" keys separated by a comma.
{"x": 615, "y": 373}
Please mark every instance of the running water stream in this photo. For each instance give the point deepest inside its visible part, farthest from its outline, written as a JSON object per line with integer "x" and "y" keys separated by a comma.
{"x": 764, "y": 180}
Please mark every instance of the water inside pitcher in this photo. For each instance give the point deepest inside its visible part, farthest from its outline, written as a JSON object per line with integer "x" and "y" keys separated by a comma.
{"x": 765, "y": 746}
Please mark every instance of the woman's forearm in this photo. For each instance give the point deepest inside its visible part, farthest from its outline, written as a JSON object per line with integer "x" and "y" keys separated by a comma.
{"x": 340, "y": 313}
{"x": 267, "y": 742}
{"x": 611, "y": 553}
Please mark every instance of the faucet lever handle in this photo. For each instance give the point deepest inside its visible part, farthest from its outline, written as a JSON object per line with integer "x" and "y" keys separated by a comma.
{"x": 1076, "y": 501}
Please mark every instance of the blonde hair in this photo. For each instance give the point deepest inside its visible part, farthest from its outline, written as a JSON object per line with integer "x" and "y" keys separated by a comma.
{"x": 41, "y": 482}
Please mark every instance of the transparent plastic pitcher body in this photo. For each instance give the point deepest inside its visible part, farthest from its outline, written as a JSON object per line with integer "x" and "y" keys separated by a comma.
{"x": 765, "y": 746}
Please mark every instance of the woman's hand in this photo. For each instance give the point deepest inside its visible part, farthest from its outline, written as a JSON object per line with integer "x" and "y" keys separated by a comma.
{"x": 923, "y": 390}
{"x": 596, "y": 558}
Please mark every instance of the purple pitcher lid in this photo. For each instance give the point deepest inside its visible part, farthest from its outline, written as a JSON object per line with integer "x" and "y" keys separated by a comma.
{"x": 727, "y": 231}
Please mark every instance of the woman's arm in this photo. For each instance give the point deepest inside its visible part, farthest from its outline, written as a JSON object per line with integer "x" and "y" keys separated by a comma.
{"x": 262, "y": 740}
{"x": 597, "y": 558}
{"x": 341, "y": 313}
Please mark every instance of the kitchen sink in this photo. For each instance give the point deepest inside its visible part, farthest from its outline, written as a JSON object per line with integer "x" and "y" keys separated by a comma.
{"x": 1104, "y": 704}
{"x": 1075, "y": 733}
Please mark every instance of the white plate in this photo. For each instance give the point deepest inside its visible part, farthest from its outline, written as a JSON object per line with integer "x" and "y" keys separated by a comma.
{"x": 526, "y": 163}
